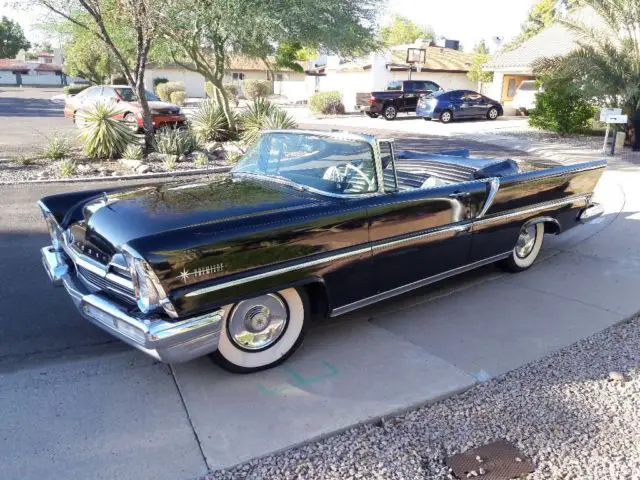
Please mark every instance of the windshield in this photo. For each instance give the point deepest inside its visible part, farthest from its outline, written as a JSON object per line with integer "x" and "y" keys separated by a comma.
{"x": 327, "y": 164}
{"x": 127, "y": 95}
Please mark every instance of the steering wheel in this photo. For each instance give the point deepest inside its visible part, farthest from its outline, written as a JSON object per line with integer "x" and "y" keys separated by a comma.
{"x": 339, "y": 173}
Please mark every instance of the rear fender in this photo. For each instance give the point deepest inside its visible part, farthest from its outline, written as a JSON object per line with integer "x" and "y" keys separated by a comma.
{"x": 551, "y": 225}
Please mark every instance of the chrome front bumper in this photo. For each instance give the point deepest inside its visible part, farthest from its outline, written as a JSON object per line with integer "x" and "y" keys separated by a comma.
{"x": 593, "y": 211}
{"x": 169, "y": 342}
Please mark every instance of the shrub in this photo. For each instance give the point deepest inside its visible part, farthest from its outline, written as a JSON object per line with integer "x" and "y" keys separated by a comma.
{"x": 174, "y": 141}
{"x": 257, "y": 89}
{"x": 26, "y": 160}
{"x": 209, "y": 123}
{"x": 119, "y": 81}
{"x": 158, "y": 80}
{"x": 104, "y": 136}
{"x": 171, "y": 162}
{"x": 74, "y": 89}
{"x": 262, "y": 114}
{"x": 201, "y": 159}
{"x": 327, "y": 103}
{"x": 67, "y": 168}
{"x": 164, "y": 90}
{"x": 178, "y": 97}
{"x": 231, "y": 88}
{"x": 561, "y": 108}
{"x": 133, "y": 152}
{"x": 58, "y": 147}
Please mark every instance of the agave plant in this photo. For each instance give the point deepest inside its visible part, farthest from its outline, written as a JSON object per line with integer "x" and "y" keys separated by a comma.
{"x": 262, "y": 114}
{"x": 209, "y": 123}
{"x": 133, "y": 152}
{"x": 174, "y": 141}
{"x": 103, "y": 135}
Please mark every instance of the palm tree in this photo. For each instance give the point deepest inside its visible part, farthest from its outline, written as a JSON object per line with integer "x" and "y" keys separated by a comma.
{"x": 606, "y": 63}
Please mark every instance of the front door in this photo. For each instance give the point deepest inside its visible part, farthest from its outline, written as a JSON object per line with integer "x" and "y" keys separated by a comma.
{"x": 420, "y": 233}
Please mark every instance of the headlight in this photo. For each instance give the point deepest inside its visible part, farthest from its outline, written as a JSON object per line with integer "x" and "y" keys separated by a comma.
{"x": 150, "y": 296}
{"x": 55, "y": 232}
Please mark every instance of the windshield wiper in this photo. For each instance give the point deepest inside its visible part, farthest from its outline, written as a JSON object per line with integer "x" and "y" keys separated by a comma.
{"x": 276, "y": 178}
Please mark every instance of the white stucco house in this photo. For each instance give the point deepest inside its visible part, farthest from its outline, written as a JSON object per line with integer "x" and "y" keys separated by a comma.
{"x": 445, "y": 66}
{"x": 46, "y": 70}
{"x": 287, "y": 83}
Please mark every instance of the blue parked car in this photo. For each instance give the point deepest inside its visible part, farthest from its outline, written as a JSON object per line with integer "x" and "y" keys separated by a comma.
{"x": 457, "y": 104}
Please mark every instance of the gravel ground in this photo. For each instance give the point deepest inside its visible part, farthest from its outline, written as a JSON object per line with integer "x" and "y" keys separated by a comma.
{"x": 564, "y": 412}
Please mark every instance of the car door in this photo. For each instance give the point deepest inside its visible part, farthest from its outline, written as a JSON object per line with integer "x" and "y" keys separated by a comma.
{"x": 410, "y": 96}
{"x": 93, "y": 95}
{"x": 453, "y": 101}
{"x": 419, "y": 233}
{"x": 471, "y": 105}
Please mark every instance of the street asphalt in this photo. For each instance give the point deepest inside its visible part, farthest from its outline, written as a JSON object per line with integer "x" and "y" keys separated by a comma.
{"x": 77, "y": 404}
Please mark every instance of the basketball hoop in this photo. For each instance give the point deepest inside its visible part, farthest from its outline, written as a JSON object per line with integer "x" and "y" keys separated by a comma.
{"x": 416, "y": 55}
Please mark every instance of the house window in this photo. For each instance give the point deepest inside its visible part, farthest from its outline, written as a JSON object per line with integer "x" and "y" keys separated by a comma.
{"x": 511, "y": 89}
{"x": 237, "y": 76}
{"x": 279, "y": 77}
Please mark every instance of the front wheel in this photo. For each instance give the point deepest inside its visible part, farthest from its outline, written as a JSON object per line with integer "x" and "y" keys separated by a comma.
{"x": 527, "y": 249}
{"x": 262, "y": 332}
{"x": 492, "y": 114}
{"x": 132, "y": 122}
{"x": 446, "y": 116}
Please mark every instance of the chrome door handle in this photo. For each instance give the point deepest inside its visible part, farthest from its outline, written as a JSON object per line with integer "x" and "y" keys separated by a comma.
{"x": 459, "y": 194}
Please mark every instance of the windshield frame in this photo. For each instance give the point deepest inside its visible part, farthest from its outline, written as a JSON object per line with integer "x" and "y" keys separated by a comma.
{"x": 338, "y": 135}
{"x": 148, "y": 93}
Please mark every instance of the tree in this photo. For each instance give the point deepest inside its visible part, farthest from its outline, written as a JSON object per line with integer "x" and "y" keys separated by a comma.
{"x": 37, "y": 48}
{"x": 12, "y": 38}
{"x": 401, "y": 31}
{"x": 480, "y": 57}
{"x": 108, "y": 21}
{"x": 201, "y": 35}
{"x": 605, "y": 65}
{"x": 541, "y": 15}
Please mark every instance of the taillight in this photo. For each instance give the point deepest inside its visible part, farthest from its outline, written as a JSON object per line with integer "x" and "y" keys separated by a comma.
{"x": 372, "y": 100}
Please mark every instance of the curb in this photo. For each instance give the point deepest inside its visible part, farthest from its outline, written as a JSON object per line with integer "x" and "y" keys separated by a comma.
{"x": 140, "y": 176}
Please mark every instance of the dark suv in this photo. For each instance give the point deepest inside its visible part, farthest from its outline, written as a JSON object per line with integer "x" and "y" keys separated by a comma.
{"x": 400, "y": 96}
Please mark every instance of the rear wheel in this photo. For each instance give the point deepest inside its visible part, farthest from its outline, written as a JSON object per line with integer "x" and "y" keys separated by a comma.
{"x": 527, "y": 249}
{"x": 492, "y": 114}
{"x": 446, "y": 116}
{"x": 390, "y": 112}
{"x": 262, "y": 332}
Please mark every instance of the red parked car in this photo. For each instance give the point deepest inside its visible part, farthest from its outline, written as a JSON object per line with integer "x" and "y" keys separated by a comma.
{"x": 163, "y": 113}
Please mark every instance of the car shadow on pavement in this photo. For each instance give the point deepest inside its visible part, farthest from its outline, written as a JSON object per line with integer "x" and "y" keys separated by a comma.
{"x": 29, "y": 107}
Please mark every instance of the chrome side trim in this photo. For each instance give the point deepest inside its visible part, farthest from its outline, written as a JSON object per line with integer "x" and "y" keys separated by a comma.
{"x": 421, "y": 236}
{"x": 412, "y": 286}
{"x": 494, "y": 186}
{"x": 584, "y": 197}
{"x": 279, "y": 271}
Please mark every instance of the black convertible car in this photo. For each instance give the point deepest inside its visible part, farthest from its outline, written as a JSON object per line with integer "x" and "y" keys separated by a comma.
{"x": 308, "y": 223}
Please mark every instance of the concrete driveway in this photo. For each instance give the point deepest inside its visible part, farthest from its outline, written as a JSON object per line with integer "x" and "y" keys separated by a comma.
{"x": 28, "y": 116}
{"x": 77, "y": 404}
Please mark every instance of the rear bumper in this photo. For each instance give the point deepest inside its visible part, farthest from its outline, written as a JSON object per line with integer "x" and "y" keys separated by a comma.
{"x": 593, "y": 211}
{"x": 169, "y": 342}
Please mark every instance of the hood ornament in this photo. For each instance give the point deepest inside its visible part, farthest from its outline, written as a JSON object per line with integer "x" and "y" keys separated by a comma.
{"x": 105, "y": 198}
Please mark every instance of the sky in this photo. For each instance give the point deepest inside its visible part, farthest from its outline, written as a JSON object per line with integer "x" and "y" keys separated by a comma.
{"x": 466, "y": 20}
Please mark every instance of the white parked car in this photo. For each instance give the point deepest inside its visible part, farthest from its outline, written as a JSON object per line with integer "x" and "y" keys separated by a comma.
{"x": 525, "y": 97}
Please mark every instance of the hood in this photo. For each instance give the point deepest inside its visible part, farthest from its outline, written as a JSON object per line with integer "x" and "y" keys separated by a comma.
{"x": 125, "y": 215}
{"x": 164, "y": 106}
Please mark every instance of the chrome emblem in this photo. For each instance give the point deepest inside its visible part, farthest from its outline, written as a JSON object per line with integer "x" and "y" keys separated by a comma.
{"x": 201, "y": 272}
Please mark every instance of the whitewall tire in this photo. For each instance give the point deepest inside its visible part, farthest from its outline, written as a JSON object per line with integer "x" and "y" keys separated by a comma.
{"x": 527, "y": 248}
{"x": 262, "y": 332}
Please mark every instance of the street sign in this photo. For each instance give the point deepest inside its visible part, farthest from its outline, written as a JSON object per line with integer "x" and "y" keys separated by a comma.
{"x": 617, "y": 119}
{"x": 607, "y": 112}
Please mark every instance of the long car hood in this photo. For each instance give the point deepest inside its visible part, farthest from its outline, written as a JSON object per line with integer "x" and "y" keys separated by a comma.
{"x": 147, "y": 210}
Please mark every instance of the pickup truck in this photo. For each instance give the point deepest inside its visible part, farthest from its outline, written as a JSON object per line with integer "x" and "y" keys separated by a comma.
{"x": 399, "y": 96}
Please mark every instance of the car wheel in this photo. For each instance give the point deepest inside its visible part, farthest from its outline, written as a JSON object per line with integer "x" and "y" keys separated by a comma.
{"x": 372, "y": 115}
{"x": 446, "y": 116}
{"x": 262, "y": 332}
{"x": 492, "y": 114}
{"x": 390, "y": 112}
{"x": 527, "y": 249}
{"x": 131, "y": 122}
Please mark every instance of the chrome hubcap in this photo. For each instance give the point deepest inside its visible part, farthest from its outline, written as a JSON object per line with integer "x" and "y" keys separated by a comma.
{"x": 258, "y": 323}
{"x": 390, "y": 112}
{"x": 446, "y": 117}
{"x": 493, "y": 114}
{"x": 526, "y": 241}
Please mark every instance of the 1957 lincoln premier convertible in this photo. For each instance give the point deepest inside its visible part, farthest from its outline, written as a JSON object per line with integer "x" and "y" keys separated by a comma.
{"x": 308, "y": 223}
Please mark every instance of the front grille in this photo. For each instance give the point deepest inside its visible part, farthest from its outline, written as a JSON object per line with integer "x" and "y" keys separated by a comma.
{"x": 102, "y": 283}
